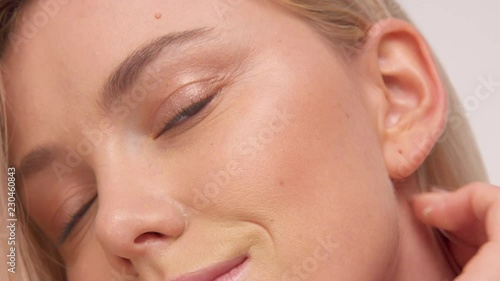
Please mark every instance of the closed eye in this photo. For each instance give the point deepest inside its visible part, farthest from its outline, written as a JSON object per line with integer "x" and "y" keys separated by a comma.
{"x": 187, "y": 112}
{"x": 74, "y": 219}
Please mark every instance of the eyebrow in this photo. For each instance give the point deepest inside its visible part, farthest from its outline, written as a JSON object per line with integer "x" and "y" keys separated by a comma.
{"x": 127, "y": 73}
{"x": 116, "y": 86}
{"x": 39, "y": 158}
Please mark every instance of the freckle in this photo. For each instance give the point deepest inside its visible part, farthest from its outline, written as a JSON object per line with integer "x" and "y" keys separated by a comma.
{"x": 347, "y": 115}
{"x": 157, "y": 16}
{"x": 400, "y": 151}
{"x": 281, "y": 183}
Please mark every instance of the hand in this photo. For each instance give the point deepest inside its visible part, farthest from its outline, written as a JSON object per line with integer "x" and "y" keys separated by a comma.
{"x": 471, "y": 217}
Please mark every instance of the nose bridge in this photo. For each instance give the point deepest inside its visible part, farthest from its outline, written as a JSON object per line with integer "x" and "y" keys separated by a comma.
{"x": 135, "y": 209}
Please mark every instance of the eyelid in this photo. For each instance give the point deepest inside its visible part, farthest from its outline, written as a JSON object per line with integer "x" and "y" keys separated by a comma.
{"x": 187, "y": 112}
{"x": 74, "y": 219}
{"x": 183, "y": 98}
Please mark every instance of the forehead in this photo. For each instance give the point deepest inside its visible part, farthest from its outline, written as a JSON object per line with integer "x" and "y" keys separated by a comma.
{"x": 82, "y": 40}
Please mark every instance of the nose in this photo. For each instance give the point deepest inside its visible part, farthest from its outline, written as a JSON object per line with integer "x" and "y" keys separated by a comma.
{"x": 136, "y": 217}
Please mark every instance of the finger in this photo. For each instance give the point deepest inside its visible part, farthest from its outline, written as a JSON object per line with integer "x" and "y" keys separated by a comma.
{"x": 483, "y": 266}
{"x": 470, "y": 214}
{"x": 461, "y": 253}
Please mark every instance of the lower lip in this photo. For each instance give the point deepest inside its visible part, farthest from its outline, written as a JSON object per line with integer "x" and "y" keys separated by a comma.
{"x": 236, "y": 274}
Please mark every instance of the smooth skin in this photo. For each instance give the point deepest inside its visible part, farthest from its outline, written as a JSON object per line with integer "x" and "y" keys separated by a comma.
{"x": 289, "y": 165}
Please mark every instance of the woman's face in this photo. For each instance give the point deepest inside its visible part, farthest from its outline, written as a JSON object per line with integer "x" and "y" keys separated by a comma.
{"x": 273, "y": 163}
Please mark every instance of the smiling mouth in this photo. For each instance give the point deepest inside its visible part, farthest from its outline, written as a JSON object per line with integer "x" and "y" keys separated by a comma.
{"x": 230, "y": 270}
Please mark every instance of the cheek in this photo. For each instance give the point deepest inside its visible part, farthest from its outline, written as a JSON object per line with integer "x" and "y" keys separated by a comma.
{"x": 312, "y": 174}
{"x": 332, "y": 186}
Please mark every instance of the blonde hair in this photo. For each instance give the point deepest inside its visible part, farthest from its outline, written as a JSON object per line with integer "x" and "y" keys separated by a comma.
{"x": 36, "y": 260}
{"x": 454, "y": 161}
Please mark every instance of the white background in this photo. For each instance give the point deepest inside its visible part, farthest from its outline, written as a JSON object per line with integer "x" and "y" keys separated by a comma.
{"x": 465, "y": 35}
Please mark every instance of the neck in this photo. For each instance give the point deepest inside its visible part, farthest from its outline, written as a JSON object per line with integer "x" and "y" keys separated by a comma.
{"x": 420, "y": 256}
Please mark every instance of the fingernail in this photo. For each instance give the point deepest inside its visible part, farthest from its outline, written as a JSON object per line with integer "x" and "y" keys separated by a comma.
{"x": 427, "y": 211}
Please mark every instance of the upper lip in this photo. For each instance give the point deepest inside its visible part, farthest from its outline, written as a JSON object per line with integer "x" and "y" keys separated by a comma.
{"x": 212, "y": 272}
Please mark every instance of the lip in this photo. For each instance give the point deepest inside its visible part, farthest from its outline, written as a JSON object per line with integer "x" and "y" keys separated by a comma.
{"x": 218, "y": 272}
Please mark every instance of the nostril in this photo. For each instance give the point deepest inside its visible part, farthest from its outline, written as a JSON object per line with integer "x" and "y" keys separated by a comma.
{"x": 148, "y": 236}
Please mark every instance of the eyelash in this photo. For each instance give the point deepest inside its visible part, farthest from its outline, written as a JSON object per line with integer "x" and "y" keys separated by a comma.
{"x": 188, "y": 111}
{"x": 73, "y": 220}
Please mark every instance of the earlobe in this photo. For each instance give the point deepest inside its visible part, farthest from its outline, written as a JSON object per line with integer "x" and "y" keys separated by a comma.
{"x": 412, "y": 107}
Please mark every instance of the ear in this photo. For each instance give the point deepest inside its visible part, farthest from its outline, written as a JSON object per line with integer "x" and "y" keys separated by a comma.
{"x": 406, "y": 95}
